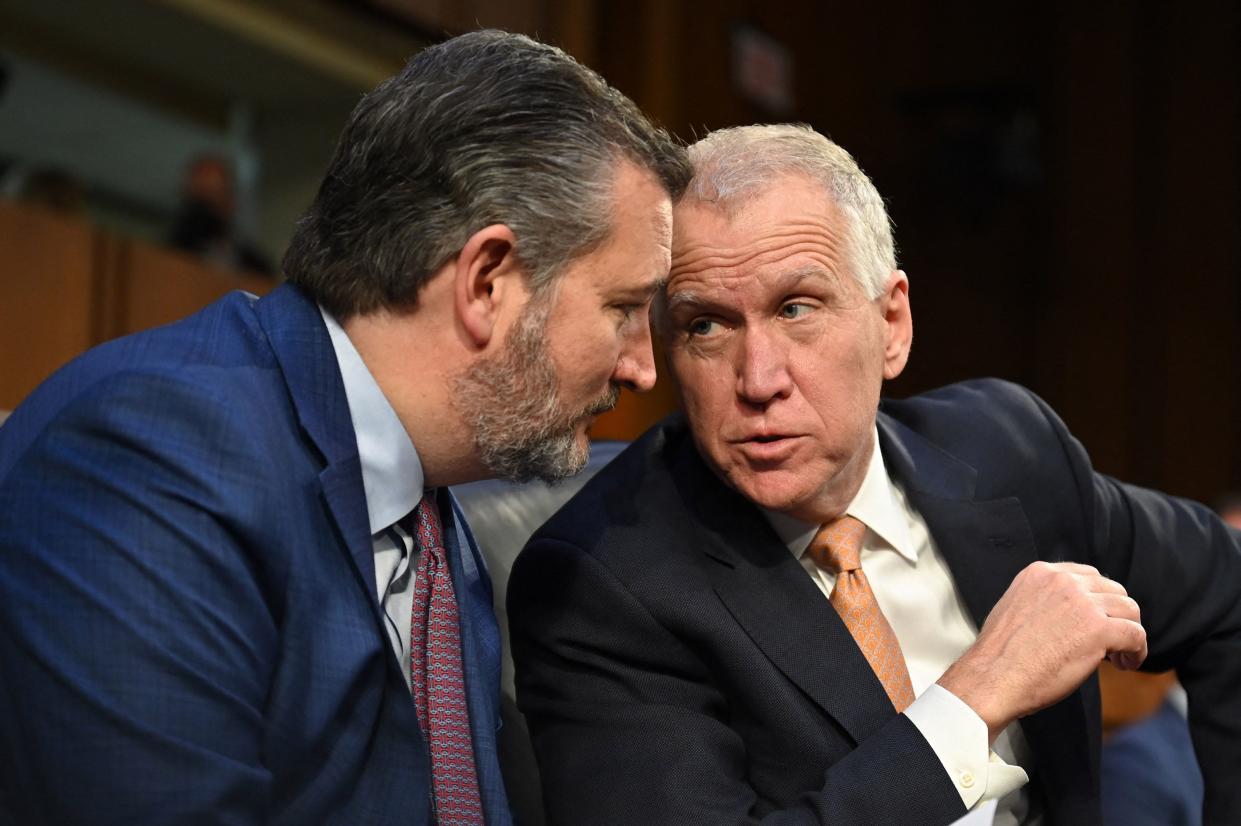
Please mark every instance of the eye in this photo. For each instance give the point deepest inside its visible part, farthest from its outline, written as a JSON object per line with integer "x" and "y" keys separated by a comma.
{"x": 628, "y": 312}
{"x": 794, "y": 309}
{"x": 700, "y": 327}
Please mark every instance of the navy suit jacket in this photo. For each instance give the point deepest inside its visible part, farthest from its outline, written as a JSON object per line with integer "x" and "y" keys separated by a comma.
{"x": 188, "y": 623}
{"x": 677, "y": 666}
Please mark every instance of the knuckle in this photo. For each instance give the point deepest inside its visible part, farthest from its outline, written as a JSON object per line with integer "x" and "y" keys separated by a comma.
{"x": 1066, "y": 584}
{"x": 1115, "y": 586}
{"x": 1038, "y": 569}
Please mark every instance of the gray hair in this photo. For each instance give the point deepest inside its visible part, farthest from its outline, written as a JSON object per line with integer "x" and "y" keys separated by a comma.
{"x": 485, "y": 128}
{"x": 733, "y": 165}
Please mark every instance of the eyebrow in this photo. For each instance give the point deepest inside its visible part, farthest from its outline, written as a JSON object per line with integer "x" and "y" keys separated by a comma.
{"x": 643, "y": 293}
{"x": 786, "y": 281}
{"x": 682, "y": 297}
{"x": 815, "y": 272}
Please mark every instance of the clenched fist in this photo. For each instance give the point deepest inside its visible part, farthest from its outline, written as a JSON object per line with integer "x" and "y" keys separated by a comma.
{"x": 1045, "y": 636}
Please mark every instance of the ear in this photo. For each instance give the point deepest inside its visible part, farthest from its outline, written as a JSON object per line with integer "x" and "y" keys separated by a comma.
{"x": 898, "y": 324}
{"x": 488, "y": 282}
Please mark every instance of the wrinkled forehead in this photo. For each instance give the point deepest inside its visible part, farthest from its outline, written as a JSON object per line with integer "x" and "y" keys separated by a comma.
{"x": 789, "y": 226}
{"x": 700, "y": 230}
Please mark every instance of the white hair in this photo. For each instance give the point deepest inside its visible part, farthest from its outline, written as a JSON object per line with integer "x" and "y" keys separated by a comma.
{"x": 736, "y": 164}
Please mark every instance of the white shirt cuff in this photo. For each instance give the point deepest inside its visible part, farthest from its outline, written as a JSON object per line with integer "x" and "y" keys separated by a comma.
{"x": 958, "y": 737}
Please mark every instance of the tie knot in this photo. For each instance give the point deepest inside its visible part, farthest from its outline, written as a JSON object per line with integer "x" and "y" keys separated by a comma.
{"x": 427, "y": 527}
{"x": 838, "y": 544}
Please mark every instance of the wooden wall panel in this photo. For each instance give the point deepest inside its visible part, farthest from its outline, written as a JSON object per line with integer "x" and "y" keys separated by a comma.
{"x": 159, "y": 286}
{"x": 1193, "y": 269}
{"x": 46, "y": 292}
{"x": 1088, "y": 298}
{"x": 65, "y": 287}
{"x": 1103, "y": 270}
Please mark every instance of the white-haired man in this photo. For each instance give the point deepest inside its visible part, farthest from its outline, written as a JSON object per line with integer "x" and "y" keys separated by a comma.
{"x": 800, "y": 605}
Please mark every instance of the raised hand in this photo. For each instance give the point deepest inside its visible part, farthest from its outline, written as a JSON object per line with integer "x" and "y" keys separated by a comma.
{"x": 1045, "y": 636}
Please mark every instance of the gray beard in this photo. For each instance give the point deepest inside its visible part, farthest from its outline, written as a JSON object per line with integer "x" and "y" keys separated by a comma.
{"x": 512, "y": 403}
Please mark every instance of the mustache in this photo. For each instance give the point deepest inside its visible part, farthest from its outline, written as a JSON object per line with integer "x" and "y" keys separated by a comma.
{"x": 607, "y": 402}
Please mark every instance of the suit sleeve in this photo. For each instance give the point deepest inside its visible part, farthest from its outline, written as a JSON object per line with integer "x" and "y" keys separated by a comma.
{"x": 136, "y": 636}
{"x": 629, "y": 727}
{"x": 1182, "y": 565}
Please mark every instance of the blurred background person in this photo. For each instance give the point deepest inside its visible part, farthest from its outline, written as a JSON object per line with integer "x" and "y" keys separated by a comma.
{"x": 205, "y": 221}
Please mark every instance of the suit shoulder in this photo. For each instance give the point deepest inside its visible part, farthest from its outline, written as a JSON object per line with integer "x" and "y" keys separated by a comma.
{"x": 629, "y": 527}
{"x": 1000, "y": 428}
{"x": 212, "y": 360}
{"x": 151, "y": 412}
{"x": 983, "y": 410}
{"x": 626, "y": 494}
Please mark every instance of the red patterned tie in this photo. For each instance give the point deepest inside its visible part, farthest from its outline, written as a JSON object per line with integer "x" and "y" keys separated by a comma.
{"x": 838, "y": 547}
{"x": 438, "y": 678}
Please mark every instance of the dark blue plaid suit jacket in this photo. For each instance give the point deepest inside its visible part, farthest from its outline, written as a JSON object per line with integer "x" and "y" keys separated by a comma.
{"x": 188, "y": 623}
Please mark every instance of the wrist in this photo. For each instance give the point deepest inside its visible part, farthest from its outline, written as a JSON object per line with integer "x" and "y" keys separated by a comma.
{"x": 973, "y": 687}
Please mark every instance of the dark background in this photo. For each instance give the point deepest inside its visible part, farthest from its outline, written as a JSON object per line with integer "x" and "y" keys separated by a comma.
{"x": 1065, "y": 185}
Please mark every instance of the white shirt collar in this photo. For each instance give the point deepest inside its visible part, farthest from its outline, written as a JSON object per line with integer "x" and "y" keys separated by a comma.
{"x": 391, "y": 470}
{"x": 877, "y": 503}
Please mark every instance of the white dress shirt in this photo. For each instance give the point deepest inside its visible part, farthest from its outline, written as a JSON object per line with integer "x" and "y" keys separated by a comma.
{"x": 917, "y": 594}
{"x": 392, "y": 479}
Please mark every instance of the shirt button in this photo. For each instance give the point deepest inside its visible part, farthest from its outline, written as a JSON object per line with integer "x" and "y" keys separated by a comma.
{"x": 966, "y": 779}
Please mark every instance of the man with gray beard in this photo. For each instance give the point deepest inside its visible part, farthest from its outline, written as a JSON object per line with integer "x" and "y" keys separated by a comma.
{"x": 534, "y": 436}
{"x": 228, "y": 554}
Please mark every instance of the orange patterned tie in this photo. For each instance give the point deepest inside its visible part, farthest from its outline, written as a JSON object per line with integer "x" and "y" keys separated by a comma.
{"x": 838, "y": 547}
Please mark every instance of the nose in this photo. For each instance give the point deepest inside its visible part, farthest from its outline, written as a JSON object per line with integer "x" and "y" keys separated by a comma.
{"x": 635, "y": 367}
{"x": 762, "y": 368}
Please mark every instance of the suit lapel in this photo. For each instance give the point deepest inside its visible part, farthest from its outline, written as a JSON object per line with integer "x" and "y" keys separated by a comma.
{"x": 304, "y": 351}
{"x": 986, "y": 544}
{"x": 778, "y": 606}
{"x": 480, "y": 654}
